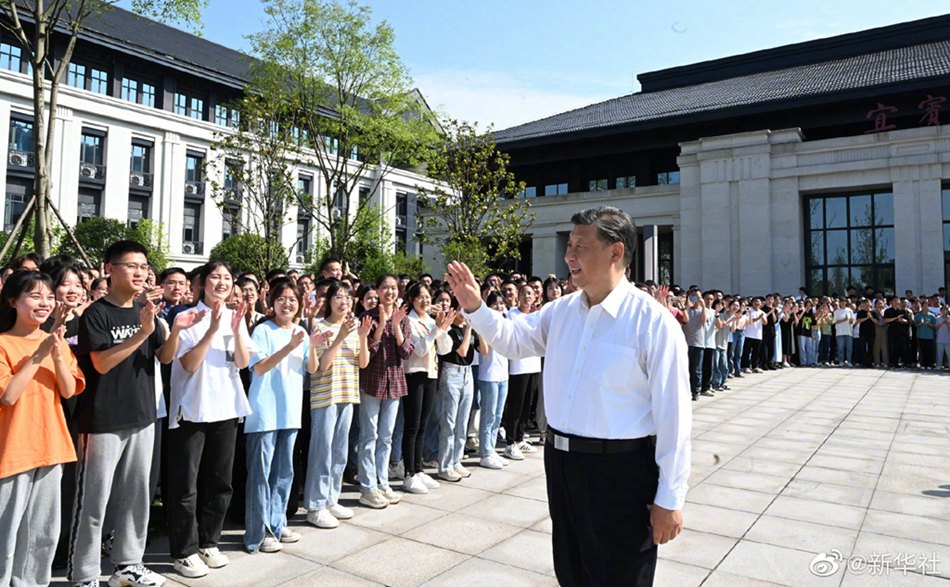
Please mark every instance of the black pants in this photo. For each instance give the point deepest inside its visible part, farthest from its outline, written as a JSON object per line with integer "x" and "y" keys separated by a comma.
{"x": 767, "y": 348}
{"x": 866, "y": 344}
{"x": 751, "y": 350}
{"x": 602, "y": 536}
{"x": 199, "y": 484}
{"x": 416, "y": 407}
{"x": 518, "y": 405}
{"x": 925, "y": 348}
{"x": 897, "y": 346}
{"x": 707, "y": 368}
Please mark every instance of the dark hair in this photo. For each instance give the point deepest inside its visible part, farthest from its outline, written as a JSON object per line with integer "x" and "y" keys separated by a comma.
{"x": 493, "y": 297}
{"x": 49, "y": 266}
{"x": 414, "y": 291}
{"x": 16, "y": 285}
{"x": 325, "y": 282}
{"x": 123, "y": 247}
{"x": 335, "y": 287}
{"x": 59, "y": 276}
{"x": 98, "y": 281}
{"x": 277, "y": 287}
{"x": 209, "y": 268}
{"x": 169, "y": 272}
{"x": 242, "y": 281}
{"x": 17, "y": 262}
{"x": 613, "y": 226}
{"x": 384, "y": 277}
{"x": 327, "y": 261}
{"x": 274, "y": 274}
{"x": 360, "y": 294}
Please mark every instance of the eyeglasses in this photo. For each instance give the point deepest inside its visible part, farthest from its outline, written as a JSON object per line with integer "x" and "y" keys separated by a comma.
{"x": 342, "y": 298}
{"x": 134, "y": 266}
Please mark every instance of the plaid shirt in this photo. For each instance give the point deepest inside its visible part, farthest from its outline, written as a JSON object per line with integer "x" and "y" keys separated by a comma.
{"x": 384, "y": 377}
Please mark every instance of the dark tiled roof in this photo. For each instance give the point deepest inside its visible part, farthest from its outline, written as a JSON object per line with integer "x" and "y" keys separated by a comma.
{"x": 167, "y": 44}
{"x": 903, "y": 64}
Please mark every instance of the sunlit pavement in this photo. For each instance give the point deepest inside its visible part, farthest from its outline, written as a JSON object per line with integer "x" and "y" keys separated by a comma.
{"x": 797, "y": 473}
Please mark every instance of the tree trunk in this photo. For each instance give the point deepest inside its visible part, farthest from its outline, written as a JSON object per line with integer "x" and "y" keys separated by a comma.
{"x": 41, "y": 185}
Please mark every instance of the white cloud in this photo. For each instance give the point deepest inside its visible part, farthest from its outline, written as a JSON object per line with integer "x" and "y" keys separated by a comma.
{"x": 498, "y": 97}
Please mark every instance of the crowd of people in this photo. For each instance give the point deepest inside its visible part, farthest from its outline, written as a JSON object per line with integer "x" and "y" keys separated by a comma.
{"x": 271, "y": 391}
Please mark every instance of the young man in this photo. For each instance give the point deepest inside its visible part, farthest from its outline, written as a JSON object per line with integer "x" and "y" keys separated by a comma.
{"x": 617, "y": 452}
{"x": 119, "y": 340}
{"x": 695, "y": 332}
{"x": 843, "y": 323}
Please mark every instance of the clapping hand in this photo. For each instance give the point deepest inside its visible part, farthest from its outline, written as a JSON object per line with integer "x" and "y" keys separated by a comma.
{"x": 297, "y": 338}
{"x": 152, "y": 294}
{"x": 185, "y": 320}
{"x": 398, "y": 315}
{"x": 320, "y": 337}
{"x": 216, "y": 311}
{"x": 60, "y": 314}
{"x": 347, "y": 328}
{"x": 366, "y": 324}
{"x": 238, "y": 314}
{"x": 147, "y": 316}
{"x": 444, "y": 320}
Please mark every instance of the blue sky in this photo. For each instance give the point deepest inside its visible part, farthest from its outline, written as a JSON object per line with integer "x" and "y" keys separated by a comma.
{"x": 513, "y": 61}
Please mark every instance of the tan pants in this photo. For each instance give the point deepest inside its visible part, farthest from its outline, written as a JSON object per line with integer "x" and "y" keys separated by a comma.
{"x": 880, "y": 346}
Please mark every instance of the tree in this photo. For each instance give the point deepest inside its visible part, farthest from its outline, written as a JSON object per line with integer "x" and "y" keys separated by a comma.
{"x": 97, "y": 233}
{"x": 472, "y": 213}
{"x": 258, "y": 186}
{"x": 248, "y": 252}
{"x": 34, "y": 23}
{"x": 352, "y": 103}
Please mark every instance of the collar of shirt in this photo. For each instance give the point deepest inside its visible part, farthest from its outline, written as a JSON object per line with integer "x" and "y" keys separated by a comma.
{"x": 611, "y": 303}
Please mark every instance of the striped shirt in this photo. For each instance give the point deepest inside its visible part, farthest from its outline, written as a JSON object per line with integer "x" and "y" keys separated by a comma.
{"x": 340, "y": 384}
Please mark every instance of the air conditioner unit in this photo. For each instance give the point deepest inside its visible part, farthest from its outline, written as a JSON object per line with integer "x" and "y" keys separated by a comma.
{"x": 337, "y": 214}
{"x": 87, "y": 170}
{"x": 18, "y": 159}
{"x": 137, "y": 179}
{"x": 400, "y": 221}
{"x": 191, "y": 188}
{"x": 301, "y": 259}
{"x": 188, "y": 248}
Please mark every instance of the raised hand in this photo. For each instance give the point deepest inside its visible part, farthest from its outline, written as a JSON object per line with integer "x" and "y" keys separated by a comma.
{"x": 320, "y": 337}
{"x": 366, "y": 324}
{"x": 464, "y": 286}
{"x": 662, "y": 294}
{"x": 185, "y": 320}
{"x": 444, "y": 320}
{"x": 49, "y": 343}
{"x": 153, "y": 294}
{"x": 384, "y": 315}
{"x": 297, "y": 338}
{"x": 58, "y": 339}
{"x": 309, "y": 307}
{"x": 147, "y": 316}
{"x": 60, "y": 314}
{"x": 398, "y": 315}
{"x": 216, "y": 312}
{"x": 347, "y": 328}
{"x": 238, "y": 315}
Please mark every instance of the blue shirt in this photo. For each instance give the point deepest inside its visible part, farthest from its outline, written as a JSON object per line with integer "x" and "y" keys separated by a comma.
{"x": 276, "y": 397}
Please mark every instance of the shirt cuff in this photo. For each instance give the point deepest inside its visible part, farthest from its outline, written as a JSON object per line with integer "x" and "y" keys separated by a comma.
{"x": 480, "y": 315}
{"x": 670, "y": 498}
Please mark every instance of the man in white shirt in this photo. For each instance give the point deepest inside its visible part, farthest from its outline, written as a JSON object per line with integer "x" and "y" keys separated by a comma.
{"x": 617, "y": 399}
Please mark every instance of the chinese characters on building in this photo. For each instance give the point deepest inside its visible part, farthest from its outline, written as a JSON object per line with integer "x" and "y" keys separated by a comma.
{"x": 929, "y": 109}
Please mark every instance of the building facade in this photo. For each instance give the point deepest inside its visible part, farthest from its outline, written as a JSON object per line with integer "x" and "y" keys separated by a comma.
{"x": 822, "y": 164}
{"x": 138, "y": 113}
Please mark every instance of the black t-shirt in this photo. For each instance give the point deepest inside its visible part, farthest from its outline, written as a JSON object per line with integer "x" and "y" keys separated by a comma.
{"x": 72, "y": 338}
{"x": 806, "y": 324}
{"x": 867, "y": 328}
{"x": 123, "y": 398}
{"x": 894, "y": 326}
{"x": 457, "y": 333}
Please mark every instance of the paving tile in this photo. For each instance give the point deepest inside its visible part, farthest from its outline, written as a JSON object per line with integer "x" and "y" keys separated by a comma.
{"x": 329, "y": 577}
{"x": 462, "y": 533}
{"x": 870, "y": 545}
{"x": 395, "y": 519}
{"x": 448, "y": 497}
{"x": 722, "y": 579}
{"x": 743, "y": 480}
{"x": 528, "y": 550}
{"x": 830, "y": 492}
{"x": 904, "y": 503}
{"x": 849, "y": 478}
{"x": 669, "y": 572}
{"x": 399, "y": 562}
{"x": 911, "y": 479}
{"x": 799, "y": 535}
{"x": 324, "y": 546}
{"x": 921, "y": 528}
{"x": 536, "y": 488}
{"x": 509, "y": 509}
{"x": 749, "y": 464}
{"x": 764, "y": 562}
{"x": 820, "y": 512}
{"x": 716, "y": 520}
{"x": 869, "y": 466}
{"x": 730, "y": 498}
{"x": 699, "y": 549}
{"x": 477, "y": 571}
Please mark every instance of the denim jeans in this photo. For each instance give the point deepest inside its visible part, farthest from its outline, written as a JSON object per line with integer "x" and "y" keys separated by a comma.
{"x": 695, "y": 355}
{"x": 377, "y": 420}
{"x": 806, "y": 350}
{"x": 456, "y": 390}
{"x": 738, "y": 338}
{"x": 398, "y": 430}
{"x": 823, "y": 344}
{"x": 845, "y": 345}
{"x": 720, "y": 368}
{"x": 943, "y": 355}
{"x": 492, "y": 395}
{"x": 326, "y": 461}
{"x": 270, "y": 475}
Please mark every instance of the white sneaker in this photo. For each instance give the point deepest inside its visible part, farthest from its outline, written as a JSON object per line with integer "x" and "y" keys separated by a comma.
{"x": 489, "y": 462}
{"x": 462, "y": 471}
{"x": 513, "y": 453}
{"x": 526, "y": 447}
{"x": 389, "y": 495}
{"x": 414, "y": 484}
{"x": 213, "y": 557}
{"x": 288, "y": 536}
{"x": 428, "y": 481}
{"x": 135, "y": 576}
{"x": 374, "y": 499}
{"x": 450, "y": 475}
{"x": 322, "y": 519}
{"x": 191, "y": 566}
{"x": 340, "y": 513}
{"x": 271, "y": 544}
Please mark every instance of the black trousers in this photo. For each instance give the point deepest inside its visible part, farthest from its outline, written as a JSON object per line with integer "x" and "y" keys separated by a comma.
{"x": 897, "y": 346}
{"x": 602, "y": 536}
{"x": 518, "y": 405}
{"x": 707, "y": 368}
{"x": 925, "y": 348}
{"x": 751, "y": 351}
{"x": 201, "y": 456}
{"x": 767, "y": 347}
{"x": 416, "y": 407}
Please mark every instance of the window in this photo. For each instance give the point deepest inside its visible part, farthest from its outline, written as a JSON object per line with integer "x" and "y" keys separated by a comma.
{"x": 627, "y": 181}
{"x": 225, "y": 116}
{"x": 21, "y": 135}
{"x": 946, "y": 236}
{"x": 303, "y": 240}
{"x": 190, "y": 106}
{"x": 668, "y": 178}
{"x": 364, "y": 195}
{"x": 555, "y": 189}
{"x": 88, "y": 204}
{"x": 10, "y": 57}
{"x": 76, "y": 76}
{"x": 305, "y": 188}
{"x": 141, "y": 158}
{"x": 850, "y": 241}
{"x": 138, "y": 210}
{"x": 191, "y": 229}
{"x": 138, "y": 92}
{"x": 98, "y": 81}
{"x": 193, "y": 168}
{"x": 529, "y": 192}
{"x": 597, "y": 185}
{"x": 196, "y": 109}
{"x": 17, "y": 190}
{"x": 331, "y": 145}
{"x": 231, "y": 221}
{"x": 91, "y": 147}
{"x": 181, "y": 104}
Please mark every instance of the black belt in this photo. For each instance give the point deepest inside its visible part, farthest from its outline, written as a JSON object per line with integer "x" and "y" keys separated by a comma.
{"x": 571, "y": 443}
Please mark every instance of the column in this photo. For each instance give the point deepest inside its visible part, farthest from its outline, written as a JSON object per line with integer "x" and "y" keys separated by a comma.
{"x": 651, "y": 237}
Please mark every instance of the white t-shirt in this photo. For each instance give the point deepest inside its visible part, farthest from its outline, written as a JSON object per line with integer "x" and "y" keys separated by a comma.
{"x": 214, "y": 392}
{"x": 520, "y": 366}
{"x": 753, "y": 327}
{"x": 844, "y": 328}
{"x": 709, "y": 328}
{"x": 493, "y": 367}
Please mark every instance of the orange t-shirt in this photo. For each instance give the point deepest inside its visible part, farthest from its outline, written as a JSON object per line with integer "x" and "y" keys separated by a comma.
{"x": 33, "y": 431}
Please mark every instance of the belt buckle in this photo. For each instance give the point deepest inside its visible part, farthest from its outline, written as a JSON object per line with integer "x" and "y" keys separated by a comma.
{"x": 562, "y": 443}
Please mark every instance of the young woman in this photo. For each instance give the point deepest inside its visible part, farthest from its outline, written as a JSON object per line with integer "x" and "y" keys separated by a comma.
{"x": 37, "y": 370}
{"x": 382, "y": 385}
{"x": 334, "y": 390}
{"x": 429, "y": 339}
{"x": 493, "y": 390}
{"x": 522, "y": 383}
{"x": 366, "y": 299}
{"x": 207, "y": 400}
{"x": 275, "y": 396}
{"x": 552, "y": 289}
{"x": 100, "y": 288}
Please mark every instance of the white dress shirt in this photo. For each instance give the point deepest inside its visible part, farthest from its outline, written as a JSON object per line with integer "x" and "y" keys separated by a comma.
{"x": 618, "y": 370}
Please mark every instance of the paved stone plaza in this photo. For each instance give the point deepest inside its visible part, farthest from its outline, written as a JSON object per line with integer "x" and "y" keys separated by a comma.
{"x": 786, "y": 466}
